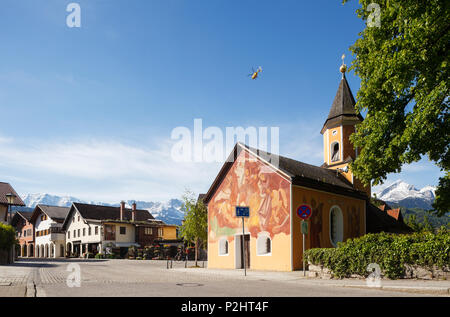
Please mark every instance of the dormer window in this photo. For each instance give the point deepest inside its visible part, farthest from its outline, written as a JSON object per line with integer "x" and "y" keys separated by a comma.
{"x": 335, "y": 152}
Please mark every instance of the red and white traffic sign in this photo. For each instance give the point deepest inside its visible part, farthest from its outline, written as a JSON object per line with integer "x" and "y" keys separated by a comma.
{"x": 304, "y": 212}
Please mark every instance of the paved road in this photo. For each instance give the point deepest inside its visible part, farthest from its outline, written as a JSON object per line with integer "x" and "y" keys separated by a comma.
{"x": 152, "y": 278}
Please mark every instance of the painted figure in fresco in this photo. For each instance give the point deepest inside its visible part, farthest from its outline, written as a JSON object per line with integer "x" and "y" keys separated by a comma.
{"x": 265, "y": 208}
{"x": 250, "y": 183}
{"x": 280, "y": 210}
{"x": 316, "y": 224}
{"x": 353, "y": 221}
{"x": 224, "y": 207}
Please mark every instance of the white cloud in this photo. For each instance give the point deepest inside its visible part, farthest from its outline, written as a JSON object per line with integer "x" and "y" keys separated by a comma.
{"x": 99, "y": 169}
{"x": 109, "y": 170}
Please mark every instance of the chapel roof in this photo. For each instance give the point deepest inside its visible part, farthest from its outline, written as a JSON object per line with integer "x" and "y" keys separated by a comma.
{"x": 342, "y": 110}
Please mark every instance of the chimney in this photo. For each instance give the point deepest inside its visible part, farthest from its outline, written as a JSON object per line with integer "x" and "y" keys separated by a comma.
{"x": 122, "y": 210}
{"x": 133, "y": 211}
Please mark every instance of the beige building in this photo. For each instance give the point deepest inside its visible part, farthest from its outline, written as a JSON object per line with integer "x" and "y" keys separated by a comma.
{"x": 97, "y": 229}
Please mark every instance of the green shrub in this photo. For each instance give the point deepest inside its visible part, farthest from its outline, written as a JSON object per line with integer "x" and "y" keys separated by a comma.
{"x": 390, "y": 252}
{"x": 139, "y": 258}
{"x": 7, "y": 236}
{"x": 99, "y": 256}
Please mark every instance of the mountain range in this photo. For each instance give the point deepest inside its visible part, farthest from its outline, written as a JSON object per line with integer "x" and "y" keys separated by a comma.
{"x": 170, "y": 211}
{"x": 398, "y": 193}
{"x": 406, "y": 195}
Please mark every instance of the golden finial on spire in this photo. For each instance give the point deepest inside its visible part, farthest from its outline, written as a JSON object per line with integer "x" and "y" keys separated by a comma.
{"x": 343, "y": 67}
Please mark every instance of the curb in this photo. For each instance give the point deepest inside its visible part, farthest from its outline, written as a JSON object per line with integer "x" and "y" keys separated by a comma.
{"x": 40, "y": 292}
{"x": 31, "y": 290}
{"x": 409, "y": 289}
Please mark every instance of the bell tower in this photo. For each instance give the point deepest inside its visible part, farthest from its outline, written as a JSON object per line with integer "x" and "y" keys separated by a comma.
{"x": 340, "y": 124}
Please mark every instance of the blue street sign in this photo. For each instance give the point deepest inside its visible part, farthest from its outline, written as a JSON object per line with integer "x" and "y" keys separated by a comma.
{"x": 242, "y": 211}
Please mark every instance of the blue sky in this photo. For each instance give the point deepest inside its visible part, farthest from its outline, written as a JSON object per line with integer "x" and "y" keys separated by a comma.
{"x": 92, "y": 108}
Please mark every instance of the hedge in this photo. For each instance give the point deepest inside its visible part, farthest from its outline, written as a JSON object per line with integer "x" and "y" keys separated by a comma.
{"x": 390, "y": 252}
{"x": 7, "y": 236}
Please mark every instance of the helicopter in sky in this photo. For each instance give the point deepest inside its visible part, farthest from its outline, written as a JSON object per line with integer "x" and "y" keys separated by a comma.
{"x": 254, "y": 74}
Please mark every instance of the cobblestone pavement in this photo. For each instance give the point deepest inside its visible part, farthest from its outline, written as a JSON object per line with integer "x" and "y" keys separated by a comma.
{"x": 152, "y": 278}
{"x": 13, "y": 280}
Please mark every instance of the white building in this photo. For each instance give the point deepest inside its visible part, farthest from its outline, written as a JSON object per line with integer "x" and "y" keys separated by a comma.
{"x": 94, "y": 228}
{"x": 83, "y": 233}
{"x": 49, "y": 237}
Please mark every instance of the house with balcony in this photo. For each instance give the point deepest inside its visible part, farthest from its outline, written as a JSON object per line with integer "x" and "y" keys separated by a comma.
{"x": 49, "y": 236}
{"x": 25, "y": 233}
{"x": 99, "y": 229}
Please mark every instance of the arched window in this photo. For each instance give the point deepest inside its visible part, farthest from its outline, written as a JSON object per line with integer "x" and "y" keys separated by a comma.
{"x": 334, "y": 151}
{"x": 264, "y": 244}
{"x": 336, "y": 225}
{"x": 223, "y": 246}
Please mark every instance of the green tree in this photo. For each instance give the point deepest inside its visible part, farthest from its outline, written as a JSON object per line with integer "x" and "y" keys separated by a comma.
{"x": 404, "y": 69}
{"x": 413, "y": 224}
{"x": 7, "y": 236}
{"x": 195, "y": 226}
{"x": 427, "y": 225}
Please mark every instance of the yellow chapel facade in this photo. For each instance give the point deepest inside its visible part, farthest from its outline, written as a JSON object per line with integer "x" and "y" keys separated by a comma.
{"x": 272, "y": 238}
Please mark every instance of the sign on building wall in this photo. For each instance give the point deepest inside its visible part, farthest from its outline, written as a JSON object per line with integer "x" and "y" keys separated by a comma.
{"x": 242, "y": 211}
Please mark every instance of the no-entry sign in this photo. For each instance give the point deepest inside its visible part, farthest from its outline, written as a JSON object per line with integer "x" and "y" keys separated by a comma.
{"x": 304, "y": 212}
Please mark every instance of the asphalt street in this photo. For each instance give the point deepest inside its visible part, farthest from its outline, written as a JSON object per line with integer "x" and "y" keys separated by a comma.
{"x": 131, "y": 278}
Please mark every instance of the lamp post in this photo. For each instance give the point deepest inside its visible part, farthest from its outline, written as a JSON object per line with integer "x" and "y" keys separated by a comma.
{"x": 10, "y": 197}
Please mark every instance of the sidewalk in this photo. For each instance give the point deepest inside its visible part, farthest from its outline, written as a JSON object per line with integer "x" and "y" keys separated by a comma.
{"x": 435, "y": 287}
{"x": 16, "y": 280}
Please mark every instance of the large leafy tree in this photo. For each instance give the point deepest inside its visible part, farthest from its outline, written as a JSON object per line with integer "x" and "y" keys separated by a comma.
{"x": 403, "y": 64}
{"x": 195, "y": 226}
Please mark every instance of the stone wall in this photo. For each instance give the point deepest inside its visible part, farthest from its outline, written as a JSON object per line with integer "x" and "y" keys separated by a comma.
{"x": 411, "y": 272}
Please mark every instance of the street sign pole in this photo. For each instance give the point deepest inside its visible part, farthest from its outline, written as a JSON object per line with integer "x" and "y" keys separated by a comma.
{"x": 243, "y": 247}
{"x": 243, "y": 212}
{"x": 304, "y": 272}
{"x": 304, "y": 212}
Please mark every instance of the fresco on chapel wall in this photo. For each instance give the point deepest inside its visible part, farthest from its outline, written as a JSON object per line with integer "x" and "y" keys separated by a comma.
{"x": 251, "y": 183}
{"x": 353, "y": 220}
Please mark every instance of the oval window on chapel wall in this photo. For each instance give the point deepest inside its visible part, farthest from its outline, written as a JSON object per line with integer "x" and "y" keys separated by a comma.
{"x": 336, "y": 225}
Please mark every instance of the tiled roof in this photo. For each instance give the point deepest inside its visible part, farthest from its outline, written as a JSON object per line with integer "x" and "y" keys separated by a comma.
{"x": 394, "y": 213}
{"x": 303, "y": 174}
{"x": 21, "y": 215}
{"x": 379, "y": 221}
{"x": 98, "y": 212}
{"x": 56, "y": 213}
{"x": 5, "y": 189}
{"x": 300, "y": 173}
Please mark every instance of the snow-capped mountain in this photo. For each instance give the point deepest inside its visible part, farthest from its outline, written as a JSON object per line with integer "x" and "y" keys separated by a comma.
{"x": 31, "y": 200}
{"x": 407, "y": 195}
{"x": 169, "y": 212}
